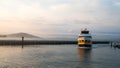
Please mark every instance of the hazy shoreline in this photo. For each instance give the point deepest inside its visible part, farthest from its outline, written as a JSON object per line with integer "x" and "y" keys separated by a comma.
{"x": 38, "y": 42}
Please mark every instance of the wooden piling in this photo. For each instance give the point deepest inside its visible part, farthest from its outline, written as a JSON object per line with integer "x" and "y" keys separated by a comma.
{"x": 22, "y": 42}
{"x": 111, "y": 43}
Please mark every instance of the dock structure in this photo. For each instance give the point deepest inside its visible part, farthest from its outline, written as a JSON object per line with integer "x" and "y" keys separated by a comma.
{"x": 43, "y": 42}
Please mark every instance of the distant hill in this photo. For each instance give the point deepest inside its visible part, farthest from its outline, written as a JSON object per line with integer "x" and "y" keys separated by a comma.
{"x": 17, "y": 35}
{"x": 3, "y": 35}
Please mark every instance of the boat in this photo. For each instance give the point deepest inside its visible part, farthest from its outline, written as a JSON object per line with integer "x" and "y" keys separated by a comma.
{"x": 85, "y": 39}
{"x": 117, "y": 46}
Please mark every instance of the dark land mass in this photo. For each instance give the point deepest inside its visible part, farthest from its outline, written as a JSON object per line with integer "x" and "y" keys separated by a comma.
{"x": 19, "y": 35}
{"x": 39, "y": 42}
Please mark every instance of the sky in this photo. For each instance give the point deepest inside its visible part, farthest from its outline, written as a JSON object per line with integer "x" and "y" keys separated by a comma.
{"x": 59, "y": 17}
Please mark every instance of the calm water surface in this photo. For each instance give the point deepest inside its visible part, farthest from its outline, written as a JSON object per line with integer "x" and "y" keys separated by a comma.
{"x": 59, "y": 56}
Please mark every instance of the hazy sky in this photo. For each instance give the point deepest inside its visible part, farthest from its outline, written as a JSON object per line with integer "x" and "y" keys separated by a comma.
{"x": 40, "y": 17}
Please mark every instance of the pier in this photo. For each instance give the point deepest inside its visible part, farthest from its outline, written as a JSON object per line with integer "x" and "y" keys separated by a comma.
{"x": 43, "y": 42}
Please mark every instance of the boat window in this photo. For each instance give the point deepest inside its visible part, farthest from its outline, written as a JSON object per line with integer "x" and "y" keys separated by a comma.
{"x": 79, "y": 40}
{"x": 89, "y": 37}
{"x": 85, "y": 32}
{"x": 85, "y": 36}
{"x": 87, "y": 40}
{"x": 82, "y": 40}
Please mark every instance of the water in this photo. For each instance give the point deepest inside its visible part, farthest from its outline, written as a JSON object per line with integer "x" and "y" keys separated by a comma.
{"x": 59, "y": 56}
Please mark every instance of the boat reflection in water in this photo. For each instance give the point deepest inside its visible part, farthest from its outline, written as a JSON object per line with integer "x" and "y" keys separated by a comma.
{"x": 84, "y": 56}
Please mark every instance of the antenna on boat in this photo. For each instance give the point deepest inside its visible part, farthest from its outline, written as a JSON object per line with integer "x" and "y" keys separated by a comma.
{"x": 85, "y": 29}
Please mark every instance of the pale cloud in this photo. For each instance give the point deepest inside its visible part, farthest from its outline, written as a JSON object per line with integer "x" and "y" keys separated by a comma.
{"x": 117, "y": 3}
{"x": 58, "y": 16}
